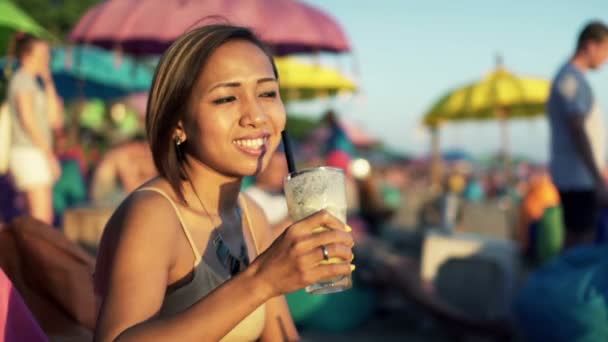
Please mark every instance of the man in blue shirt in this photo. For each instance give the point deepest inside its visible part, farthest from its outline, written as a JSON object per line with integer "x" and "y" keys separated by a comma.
{"x": 566, "y": 299}
{"x": 577, "y": 137}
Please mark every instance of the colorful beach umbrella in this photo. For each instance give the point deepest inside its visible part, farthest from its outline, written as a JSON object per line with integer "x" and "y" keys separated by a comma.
{"x": 90, "y": 72}
{"x": 301, "y": 80}
{"x": 501, "y": 95}
{"x": 149, "y": 27}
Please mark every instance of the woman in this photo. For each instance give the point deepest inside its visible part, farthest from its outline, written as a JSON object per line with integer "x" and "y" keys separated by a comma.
{"x": 36, "y": 112}
{"x": 173, "y": 263}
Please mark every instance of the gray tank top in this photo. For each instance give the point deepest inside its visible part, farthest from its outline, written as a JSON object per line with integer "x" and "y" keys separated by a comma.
{"x": 203, "y": 280}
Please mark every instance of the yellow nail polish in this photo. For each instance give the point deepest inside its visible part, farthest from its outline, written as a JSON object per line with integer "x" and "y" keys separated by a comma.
{"x": 348, "y": 229}
{"x": 352, "y": 267}
{"x": 353, "y": 258}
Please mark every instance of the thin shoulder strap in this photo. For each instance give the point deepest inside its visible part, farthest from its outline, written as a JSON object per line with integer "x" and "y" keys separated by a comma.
{"x": 197, "y": 256}
{"x": 245, "y": 209}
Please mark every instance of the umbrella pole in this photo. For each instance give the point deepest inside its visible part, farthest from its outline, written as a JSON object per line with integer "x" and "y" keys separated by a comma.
{"x": 505, "y": 142}
{"x": 436, "y": 167}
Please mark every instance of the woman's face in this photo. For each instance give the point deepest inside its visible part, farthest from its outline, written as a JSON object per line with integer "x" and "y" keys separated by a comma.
{"x": 236, "y": 115}
{"x": 39, "y": 55}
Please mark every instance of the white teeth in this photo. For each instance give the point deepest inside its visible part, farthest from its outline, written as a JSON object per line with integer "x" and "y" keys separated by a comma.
{"x": 251, "y": 143}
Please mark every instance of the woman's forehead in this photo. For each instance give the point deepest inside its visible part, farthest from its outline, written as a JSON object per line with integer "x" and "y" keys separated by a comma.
{"x": 237, "y": 60}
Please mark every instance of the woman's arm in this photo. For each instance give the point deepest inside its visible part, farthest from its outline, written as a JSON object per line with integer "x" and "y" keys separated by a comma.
{"x": 148, "y": 232}
{"x": 279, "y": 325}
{"x": 55, "y": 110}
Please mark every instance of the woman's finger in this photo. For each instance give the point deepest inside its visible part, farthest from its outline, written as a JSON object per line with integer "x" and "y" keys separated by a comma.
{"x": 316, "y": 240}
{"x": 321, "y": 219}
{"x": 336, "y": 253}
{"x": 329, "y": 271}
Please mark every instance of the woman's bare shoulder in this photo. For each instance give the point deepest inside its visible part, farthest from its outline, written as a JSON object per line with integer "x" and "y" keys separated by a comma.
{"x": 145, "y": 223}
{"x": 148, "y": 206}
{"x": 260, "y": 226}
{"x": 147, "y": 211}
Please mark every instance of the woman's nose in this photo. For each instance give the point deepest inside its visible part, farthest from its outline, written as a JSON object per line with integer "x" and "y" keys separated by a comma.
{"x": 253, "y": 113}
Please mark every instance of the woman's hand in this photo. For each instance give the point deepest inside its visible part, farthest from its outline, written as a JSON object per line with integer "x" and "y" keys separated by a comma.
{"x": 45, "y": 74}
{"x": 294, "y": 260}
{"x": 55, "y": 165}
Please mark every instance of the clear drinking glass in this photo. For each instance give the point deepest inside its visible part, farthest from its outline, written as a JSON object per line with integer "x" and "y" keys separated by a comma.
{"x": 312, "y": 190}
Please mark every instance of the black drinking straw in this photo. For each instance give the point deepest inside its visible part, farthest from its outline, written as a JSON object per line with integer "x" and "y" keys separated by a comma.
{"x": 291, "y": 165}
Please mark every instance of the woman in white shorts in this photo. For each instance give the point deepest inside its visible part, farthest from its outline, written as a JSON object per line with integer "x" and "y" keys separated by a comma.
{"x": 35, "y": 111}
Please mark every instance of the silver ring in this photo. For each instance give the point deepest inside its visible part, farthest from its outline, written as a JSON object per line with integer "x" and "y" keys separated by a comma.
{"x": 325, "y": 252}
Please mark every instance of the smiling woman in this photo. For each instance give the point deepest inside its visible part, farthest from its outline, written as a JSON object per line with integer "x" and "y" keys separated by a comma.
{"x": 186, "y": 257}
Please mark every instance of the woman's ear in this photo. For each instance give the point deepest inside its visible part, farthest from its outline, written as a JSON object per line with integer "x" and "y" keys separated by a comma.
{"x": 180, "y": 133}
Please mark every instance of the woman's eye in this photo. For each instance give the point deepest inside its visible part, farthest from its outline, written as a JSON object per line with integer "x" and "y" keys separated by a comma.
{"x": 224, "y": 100}
{"x": 269, "y": 94}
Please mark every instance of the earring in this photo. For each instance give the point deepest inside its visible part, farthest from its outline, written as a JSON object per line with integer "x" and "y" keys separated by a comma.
{"x": 178, "y": 149}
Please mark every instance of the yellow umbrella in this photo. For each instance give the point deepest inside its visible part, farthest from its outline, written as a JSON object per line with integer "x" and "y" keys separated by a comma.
{"x": 305, "y": 81}
{"x": 501, "y": 95}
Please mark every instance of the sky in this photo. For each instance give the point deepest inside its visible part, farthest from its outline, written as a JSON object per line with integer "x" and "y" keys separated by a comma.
{"x": 406, "y": 54}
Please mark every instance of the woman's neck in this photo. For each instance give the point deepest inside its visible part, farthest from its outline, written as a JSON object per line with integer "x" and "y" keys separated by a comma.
{"x": 217, "y": 192}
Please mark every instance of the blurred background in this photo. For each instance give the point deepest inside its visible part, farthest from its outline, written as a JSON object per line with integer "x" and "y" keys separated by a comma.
{"x": 442, "y": 189}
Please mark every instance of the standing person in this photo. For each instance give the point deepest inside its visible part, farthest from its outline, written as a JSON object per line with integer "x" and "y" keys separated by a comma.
{"x": 577, "y": 136}
{"x": 35, "y": 113}
{"x": 186, "y": 257}
{"x": 571, "y": 288}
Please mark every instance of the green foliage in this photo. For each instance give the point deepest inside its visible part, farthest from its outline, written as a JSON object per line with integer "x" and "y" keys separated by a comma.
{"x": 299, "y": 127}
{"x": 57, "y": 16}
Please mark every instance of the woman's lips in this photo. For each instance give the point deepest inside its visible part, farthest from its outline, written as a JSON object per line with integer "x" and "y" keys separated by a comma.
{"x": 252, "y": 146}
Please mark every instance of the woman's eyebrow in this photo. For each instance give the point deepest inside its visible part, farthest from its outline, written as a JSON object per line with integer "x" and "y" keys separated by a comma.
{"x": 226, "y": 84}
{"x": 238, "y": 84}
{"x": 267, "y": 79}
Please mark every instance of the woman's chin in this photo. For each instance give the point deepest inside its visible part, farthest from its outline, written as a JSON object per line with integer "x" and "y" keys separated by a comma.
{"x": 250, "y": 170}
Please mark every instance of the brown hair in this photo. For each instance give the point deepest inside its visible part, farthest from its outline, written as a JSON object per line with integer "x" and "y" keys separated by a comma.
{"x": 20, "y": 44}
{"x": 595, "y": 31}
{"x": 174, "y": 80}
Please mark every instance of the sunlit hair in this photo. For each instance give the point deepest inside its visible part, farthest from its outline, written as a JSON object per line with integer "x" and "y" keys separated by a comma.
{"x": 172, "y": 87}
